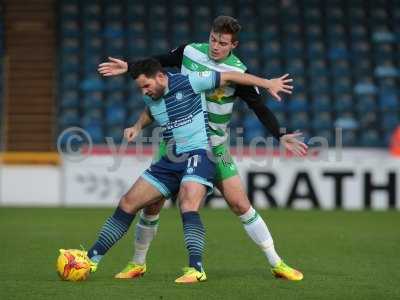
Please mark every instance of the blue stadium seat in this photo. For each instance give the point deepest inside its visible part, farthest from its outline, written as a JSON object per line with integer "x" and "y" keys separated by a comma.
{"x": 116, "y": 83}
{"x": 69, "y": 81}
{"x": 366, "y": 103}
{"x": 70, "y": 28}
{"x": 299, "y": 121}
{"x": 295, "y": 67}
{"x": 343, "y": 103}
{"x": 69, "y": 99}
{"x": 137, "y": 47}
{"x": 92, "y": 117}
{"x": 115, "y": 115}
{"x": 320, "y": 86}
{"x": 136, "y": 10}
{"x": 92, "y": 83}
{"x": 297, "y": 104}
{"x": 224, "y": 9}
{"x": 273, "y": 68}
{"x": 326, "y": 135}
{"x": 342, "y": 85}
{"x": 322, "y": 121}
{"x": 96, "y": 133}
{"x": 91, "y": 11}
{"x": 132, "y": 117}
{"x": 368, "y": 119}
{"x": 92, "y": 100}
{"x": 388, "y": 101}
{"x": 321, "y": 103}
{"x": 318, "y": 68}
{"x": 115, "y": 47}
{"x": 276, "y": 106}
{"x": 346, "y": 121}
{"x": 338, "y": 50}
{"x": 69, "y": 117}
{"x": 371, "y": 138}
{"x": 349, "y": 138}
{"x": 385, "y": 70}
{"x": 116, "y": 133}
{"x": 135, "y": 30}
{"x": 252, "y": 129}
{"x": 390, "y": 120}
{"x": 113, "y": 11}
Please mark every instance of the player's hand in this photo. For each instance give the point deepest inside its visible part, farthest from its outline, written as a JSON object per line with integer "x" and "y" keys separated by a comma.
{"x": 291, "y": 142}
{"x": 281, "y": 84}
{"x": 113, "y": 67}
{"x": 131, "y": 133}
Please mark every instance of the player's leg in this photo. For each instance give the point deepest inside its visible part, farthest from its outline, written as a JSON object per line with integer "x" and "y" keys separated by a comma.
{"x": 195, "y": 185}
{"x": 140, "y": 194}
{"x": 231, "y": 187}
{"x": 145, "y": 232}
{"x": 233, "y": 192}
{"x": 190, "y": 198}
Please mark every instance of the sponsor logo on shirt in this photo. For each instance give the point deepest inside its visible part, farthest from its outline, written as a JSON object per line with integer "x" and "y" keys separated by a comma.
{"x": 205, "y": 74}
{"x": 179, "y": 123}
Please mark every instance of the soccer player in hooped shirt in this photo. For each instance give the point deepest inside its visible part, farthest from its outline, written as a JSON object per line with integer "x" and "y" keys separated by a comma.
{"x": 187, "y": 168}
{"x": 215, "y": 55}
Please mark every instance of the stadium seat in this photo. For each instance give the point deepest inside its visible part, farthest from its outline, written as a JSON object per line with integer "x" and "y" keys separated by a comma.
{"x": 388, "y": 101}
{"x": 92, "y": 117}
{"x": 366, "y": 103}
{"x": 69, "y": 99}
{"x": 116, "y": 133}
{"x": 321, "y": 103}
{"x": 371, "y": 138}
{"x": 298, "y": 104}
{"x": 322, "y": 121}
{"x": 96, "y": 133}
{"x": 115, "y": 115}
{"x": 390, "y": 120}
{"x": 69, "y": 117}
{"x": 252, "y": 129}
{"x": 299, "y": 121}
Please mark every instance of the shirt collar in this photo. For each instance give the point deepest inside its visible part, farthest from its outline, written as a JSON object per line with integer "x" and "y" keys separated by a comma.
{"x": 167, "y": 89}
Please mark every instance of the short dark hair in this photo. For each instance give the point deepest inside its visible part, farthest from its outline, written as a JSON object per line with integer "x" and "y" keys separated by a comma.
{"x": 148, "y": 67}
{"x": 227, "y": 24}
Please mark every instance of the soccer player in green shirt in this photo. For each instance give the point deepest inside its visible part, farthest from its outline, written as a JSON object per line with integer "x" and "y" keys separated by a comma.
{"x": 215, "y": 55}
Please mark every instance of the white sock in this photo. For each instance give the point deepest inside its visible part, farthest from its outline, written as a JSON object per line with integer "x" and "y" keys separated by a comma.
{"x": 146, "y": 230}
{"x": 259, "y": 233}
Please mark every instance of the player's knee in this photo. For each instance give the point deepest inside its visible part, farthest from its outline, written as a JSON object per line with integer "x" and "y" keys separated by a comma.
{"x": 240, "y": 205}
{"x": 188, "y": 206}
{"x": 128, "y": 204}
{"x": 187, "y": 199}
{"x": 153, "y": 209}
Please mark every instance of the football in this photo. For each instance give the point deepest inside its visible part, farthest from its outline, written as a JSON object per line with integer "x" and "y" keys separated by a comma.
{"x": 73, "y": 265}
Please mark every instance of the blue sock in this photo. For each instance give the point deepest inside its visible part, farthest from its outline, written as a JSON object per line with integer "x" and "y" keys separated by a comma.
{"x": 194, "y": 233}
{"x": 112, "y": 231}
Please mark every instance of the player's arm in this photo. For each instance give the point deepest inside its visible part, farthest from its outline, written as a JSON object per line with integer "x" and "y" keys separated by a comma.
{"x": 255, "y": 102}
{"x": 116, "y": 66}
{"x": 145, "y": 119}
{"x": 273, "y": 86}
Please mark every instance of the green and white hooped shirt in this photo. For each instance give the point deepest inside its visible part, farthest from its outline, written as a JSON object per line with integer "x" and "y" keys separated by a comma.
{"x": 219, "y": 101}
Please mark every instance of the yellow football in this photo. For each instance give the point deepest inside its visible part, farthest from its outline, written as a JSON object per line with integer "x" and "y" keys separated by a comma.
{"x": 73, "y": 265}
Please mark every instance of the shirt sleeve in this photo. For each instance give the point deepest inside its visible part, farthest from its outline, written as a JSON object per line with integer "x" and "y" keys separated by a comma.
{"x": 203, "y": 81}
{"x": 255, "y": 102}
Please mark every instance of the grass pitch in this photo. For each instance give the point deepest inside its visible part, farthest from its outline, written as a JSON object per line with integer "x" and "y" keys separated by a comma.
{"x": 344, "y": 255}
